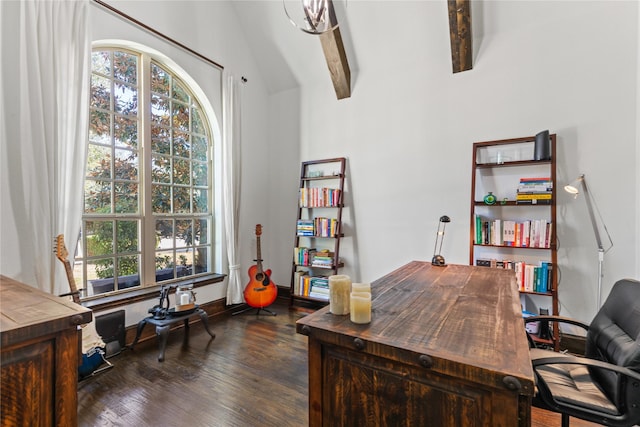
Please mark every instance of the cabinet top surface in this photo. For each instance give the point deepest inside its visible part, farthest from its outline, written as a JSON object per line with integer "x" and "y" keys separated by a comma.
{"x": 24, "y": 310}
{"x": 465, "y": 314}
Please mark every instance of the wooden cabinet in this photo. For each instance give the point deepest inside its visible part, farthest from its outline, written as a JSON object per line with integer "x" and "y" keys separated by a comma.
{"x": 513, "y": 219}
{"x": 316, "y": 253}
{"x": 445, "y": 347}
{"x": 40, "y": 356}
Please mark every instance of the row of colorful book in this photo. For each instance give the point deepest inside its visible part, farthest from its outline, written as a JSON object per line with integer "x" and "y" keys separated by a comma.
{"x": 317, "y": 227}
{"x": 311, "y": 286}
{"x": 532, "y": 191}
{"x": 530, "y": 277}
{"x": 523, "y": 234}
{"x": 319, "y": 197}
{"x": 311, "y": 257}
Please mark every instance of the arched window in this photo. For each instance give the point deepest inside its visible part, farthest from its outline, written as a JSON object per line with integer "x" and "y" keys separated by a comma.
{"x": 148, "y": 184}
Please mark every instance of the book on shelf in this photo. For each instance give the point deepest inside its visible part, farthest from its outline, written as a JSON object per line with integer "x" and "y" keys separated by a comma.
{"x": 322, "y": 258}
{"x": 313, "y": 197}
{"x": 325, "y": 227}
{"x": 534, "y": 202}
{"x": 303, "y": 255}
{"x": 533, "y": 196}
{"x": 529, "y": 277}
{"x": 298, "y": 282}
{"x": 305, "y": 227}
{"x": 311, "y": 286}
{"x": 319, "y": 288}
{"x": 535, "y": 185}
{"x": 317, "y": 227}
{"x": 523, "y": 234}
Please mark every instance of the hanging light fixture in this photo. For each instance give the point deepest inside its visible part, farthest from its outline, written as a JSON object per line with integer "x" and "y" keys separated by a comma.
{"x": 315, "y": 16}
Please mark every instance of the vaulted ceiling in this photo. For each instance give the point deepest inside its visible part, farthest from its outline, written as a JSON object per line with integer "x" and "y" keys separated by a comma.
{"x": 375, "y": 34}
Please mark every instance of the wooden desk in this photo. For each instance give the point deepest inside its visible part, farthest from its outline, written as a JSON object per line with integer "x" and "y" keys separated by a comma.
{"x": 446, "y": 346}
{"x": 40, "y": 356}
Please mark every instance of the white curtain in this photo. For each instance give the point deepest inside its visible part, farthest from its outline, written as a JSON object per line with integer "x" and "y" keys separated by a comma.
{"x": 45, "y": 116}
{"x": 231, "y": 186}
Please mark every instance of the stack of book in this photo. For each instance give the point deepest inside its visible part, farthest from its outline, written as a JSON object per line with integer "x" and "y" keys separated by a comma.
{"x": 534, "y": 191}
{"x": 319, "y": 288}
{"x": 305, "y": 227}
{"x": 323, "y": 259}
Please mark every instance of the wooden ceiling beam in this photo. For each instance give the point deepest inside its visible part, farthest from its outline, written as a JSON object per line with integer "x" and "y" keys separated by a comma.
{"x": 336, "y": 58}
{"x": 460, "y": 34}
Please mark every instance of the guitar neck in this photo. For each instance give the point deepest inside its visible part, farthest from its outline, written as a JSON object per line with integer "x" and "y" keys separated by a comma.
{"x": 259, "y": 257}
{"x": 72, "y": 282}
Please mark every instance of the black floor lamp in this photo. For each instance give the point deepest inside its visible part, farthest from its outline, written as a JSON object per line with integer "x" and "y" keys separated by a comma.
{"x": 573, "y": 189}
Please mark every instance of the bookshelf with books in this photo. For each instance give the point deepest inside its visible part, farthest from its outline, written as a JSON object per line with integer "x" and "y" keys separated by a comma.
{"x": 513, "y": 219}
{"x": 318, "y": 229}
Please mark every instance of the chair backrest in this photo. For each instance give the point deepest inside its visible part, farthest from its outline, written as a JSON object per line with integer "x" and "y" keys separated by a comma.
{"x": 614, "y": 337}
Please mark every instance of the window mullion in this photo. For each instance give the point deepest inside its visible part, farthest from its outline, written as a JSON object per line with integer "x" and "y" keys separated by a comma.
{"x": 148, "y": 224}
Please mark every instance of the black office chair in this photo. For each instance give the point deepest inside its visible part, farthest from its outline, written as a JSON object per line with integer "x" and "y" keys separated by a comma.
{"x": 604, "y": 385}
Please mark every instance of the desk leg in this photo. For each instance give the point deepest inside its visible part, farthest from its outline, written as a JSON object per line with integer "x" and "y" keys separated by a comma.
{"x": 163, "y": 333}
{"x": 205, "y": 322}
{"x": 141, "y": 326}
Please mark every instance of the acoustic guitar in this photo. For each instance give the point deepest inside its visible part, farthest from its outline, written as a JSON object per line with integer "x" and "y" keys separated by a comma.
{"x": 260, "y": 292}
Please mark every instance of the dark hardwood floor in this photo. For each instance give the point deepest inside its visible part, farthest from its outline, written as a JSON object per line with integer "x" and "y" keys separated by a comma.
{"x": 254, "y": 373}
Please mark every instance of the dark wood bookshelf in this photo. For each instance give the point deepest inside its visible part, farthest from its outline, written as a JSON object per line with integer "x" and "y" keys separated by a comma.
{"x": 519, "y": 157}
{"x": 334, "y": 180}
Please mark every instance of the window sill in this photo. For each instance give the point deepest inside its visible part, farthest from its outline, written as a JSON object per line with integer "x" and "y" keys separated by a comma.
{"x": 143, "y": 294}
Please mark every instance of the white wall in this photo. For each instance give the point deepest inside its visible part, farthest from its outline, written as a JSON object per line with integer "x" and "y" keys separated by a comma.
{"x": 407, "y": 130}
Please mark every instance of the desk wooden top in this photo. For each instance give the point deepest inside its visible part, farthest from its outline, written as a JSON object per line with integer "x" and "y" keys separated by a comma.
{"x": 27, "y": 312}
{"x": 467, "y": 319}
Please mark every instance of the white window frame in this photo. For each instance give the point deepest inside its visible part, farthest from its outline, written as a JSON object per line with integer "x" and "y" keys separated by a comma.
{"x": 147, "y": 217}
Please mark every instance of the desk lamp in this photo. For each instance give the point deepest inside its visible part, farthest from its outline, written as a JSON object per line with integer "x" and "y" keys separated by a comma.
{"x": 438, "y": 260}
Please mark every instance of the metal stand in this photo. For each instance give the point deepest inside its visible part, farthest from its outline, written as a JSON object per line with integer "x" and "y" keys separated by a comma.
{"x": 257, "y": 312}
{"x": 596, "y": 231}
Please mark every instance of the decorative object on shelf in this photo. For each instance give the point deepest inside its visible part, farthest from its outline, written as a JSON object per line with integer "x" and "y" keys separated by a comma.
{"x": 438, "y": 259}
{"x": 315, "y": 16}
{"x": 573, "y": 189}
{"x": 489, "y": 199}
{"x": 339, "y": 290}
{"x": 504, "y": 201}
{"x": 541, "y": 146}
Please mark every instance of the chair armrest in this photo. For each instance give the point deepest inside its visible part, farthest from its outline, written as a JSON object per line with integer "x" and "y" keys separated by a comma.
{"x": 559, "y": 319}
{"x": 554, "y": 360}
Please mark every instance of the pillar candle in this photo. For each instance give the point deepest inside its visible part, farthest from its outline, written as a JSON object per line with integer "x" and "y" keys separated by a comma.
{"x": 360, "y": 303}
{"x": 339, "y": 289}
{"x": 361, "y": 287}
{"x": 184, "y": 299}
